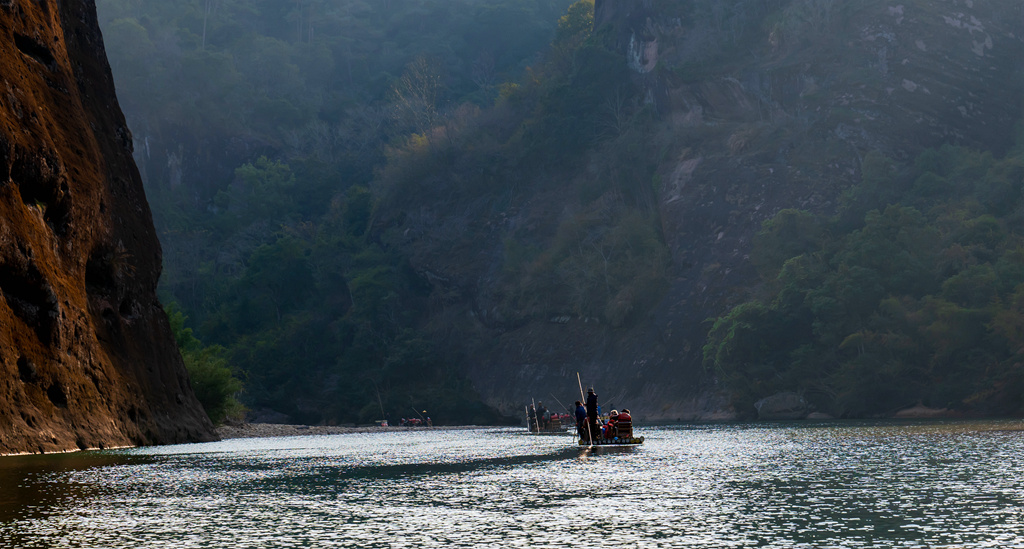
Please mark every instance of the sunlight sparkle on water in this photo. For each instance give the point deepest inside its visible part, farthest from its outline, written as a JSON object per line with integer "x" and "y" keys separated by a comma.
{"x": 782, "y": 486}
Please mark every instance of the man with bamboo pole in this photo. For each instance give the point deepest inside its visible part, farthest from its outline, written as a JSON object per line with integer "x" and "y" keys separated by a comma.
{"x": 591, "y": 400}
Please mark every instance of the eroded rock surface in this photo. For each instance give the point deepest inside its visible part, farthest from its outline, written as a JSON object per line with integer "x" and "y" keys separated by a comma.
{"x": 86, "y": 353}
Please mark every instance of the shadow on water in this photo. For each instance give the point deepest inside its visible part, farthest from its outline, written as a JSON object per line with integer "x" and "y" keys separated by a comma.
{"x": 30, "y": 487}
{"x": 873, "y": 486}
{"x": 599, "y": 450}
{"x": 434, "y": 468}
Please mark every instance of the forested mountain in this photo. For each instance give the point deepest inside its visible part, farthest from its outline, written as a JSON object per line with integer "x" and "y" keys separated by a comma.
{"x": 912, "y": 292}
{"x": 258, "y": 127}
{"x": 376, "y": 207}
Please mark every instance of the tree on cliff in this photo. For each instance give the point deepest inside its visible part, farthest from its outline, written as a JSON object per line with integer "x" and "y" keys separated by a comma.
{"x": 208, "y": 370}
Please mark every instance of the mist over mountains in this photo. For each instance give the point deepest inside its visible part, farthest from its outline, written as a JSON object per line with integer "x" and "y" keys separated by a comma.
{"x": 370, "y": 208}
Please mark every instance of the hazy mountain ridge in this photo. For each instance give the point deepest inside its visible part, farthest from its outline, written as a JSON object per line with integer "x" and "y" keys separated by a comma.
{"x": 768, "y": 106}
{"x": 428, "y": 212}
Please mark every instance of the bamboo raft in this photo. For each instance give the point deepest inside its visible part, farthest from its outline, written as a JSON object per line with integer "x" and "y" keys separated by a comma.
{"x": 622, "y": 437}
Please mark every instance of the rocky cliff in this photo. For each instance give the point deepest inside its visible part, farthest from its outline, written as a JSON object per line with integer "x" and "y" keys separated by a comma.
{"x": 761, "y": 105}
{"x": 87, "y": 356}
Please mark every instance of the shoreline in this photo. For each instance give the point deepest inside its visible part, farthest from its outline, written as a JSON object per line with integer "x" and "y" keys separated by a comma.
{"x": 260, "y": 430}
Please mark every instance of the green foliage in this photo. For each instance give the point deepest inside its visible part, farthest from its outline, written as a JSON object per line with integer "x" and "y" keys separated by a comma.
{"x": 228, "y": 68}
{"x": 299, "y": 147}
{"x": 208, "y": 369}
{"x": 568, "y": 115}
{"x": 789, "y": 234}
{"x": 358, "y": 205}
{"x": 918, "y": 302}
{"x": 606, "y": 263}
{"x": 213, "y": 383}
{"x": 262, "y": 190}
{"x": 576, "y": 25}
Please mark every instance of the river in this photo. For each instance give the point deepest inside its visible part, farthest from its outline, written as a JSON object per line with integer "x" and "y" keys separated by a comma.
{"x": 793, "y": 485}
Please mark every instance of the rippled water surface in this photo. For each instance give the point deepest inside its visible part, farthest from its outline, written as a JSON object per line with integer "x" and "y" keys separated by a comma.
{"x": 783, "y": 485}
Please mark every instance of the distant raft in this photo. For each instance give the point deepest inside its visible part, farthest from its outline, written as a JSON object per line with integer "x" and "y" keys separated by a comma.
{"x": 542, "y": 422}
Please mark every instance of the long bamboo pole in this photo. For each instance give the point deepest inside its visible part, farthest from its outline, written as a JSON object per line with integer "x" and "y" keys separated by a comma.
{"x": 583, "y": 399}
{"x": 564, "y": 407}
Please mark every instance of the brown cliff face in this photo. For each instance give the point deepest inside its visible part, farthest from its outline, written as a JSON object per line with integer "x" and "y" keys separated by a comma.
{"x": 86, "y": 353}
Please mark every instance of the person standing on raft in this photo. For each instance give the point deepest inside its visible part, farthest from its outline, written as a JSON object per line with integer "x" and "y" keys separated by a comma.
{"x": 581, "y": 418}
{"x": 592, "y": 407}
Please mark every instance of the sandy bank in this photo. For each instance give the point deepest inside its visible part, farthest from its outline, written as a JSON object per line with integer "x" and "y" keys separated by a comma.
{"x": 919, "y": 411}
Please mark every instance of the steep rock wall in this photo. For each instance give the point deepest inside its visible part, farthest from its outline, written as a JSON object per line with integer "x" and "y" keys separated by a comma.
{"x": 86, "y": 353}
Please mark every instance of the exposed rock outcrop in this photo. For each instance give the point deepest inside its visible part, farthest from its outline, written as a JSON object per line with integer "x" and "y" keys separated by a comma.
{"x": 86, "y": 353}
{"x": 785, "y": 405}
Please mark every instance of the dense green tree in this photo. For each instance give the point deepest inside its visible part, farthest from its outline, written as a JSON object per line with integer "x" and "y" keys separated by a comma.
{"x": 290, "y": 149}
{"x": 915, "y": 304}
{"x": 209, "y": 372}
{"x": 576, "y": 25}
{"x": 260, "y": 128}
{"x": 264, "y": 190}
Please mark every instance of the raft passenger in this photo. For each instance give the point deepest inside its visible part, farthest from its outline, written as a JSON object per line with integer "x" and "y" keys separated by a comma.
{"x": 608, "y": 429}
{"x": 581, "y": 418}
